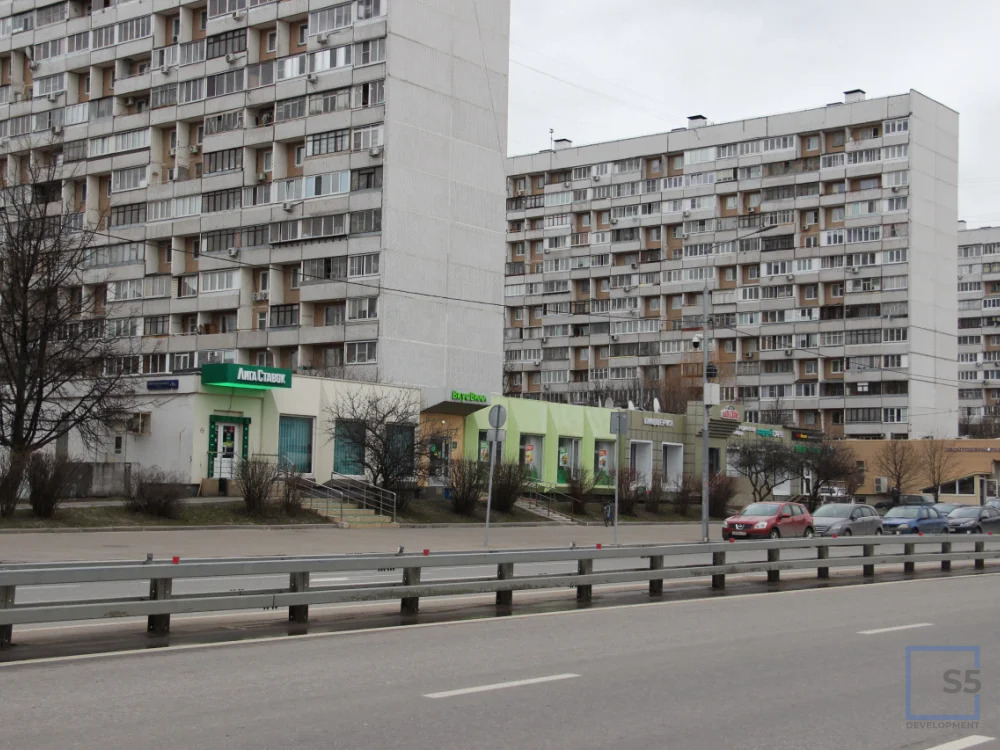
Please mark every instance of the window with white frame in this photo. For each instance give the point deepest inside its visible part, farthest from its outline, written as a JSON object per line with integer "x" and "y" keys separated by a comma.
{"x": 361, "y": 352}
{"x": 218, "y": 281}
{"x": 362, "y": 308}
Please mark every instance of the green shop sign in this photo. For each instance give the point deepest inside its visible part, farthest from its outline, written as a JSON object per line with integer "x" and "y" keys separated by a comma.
{"x": 245, "y": 376}
{"x": 475, "y": 398}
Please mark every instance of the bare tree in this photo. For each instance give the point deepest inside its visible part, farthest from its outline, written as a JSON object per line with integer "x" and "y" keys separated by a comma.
{"x": 827, "y": 463}
{"x": 675, "y": 393}
{"x": 774, "y": 414}
{"x": 765, "y": 464}
{"x": 937, "y": 464}
{"x": 898, "y": 460}
{"x": 984, "y": 427}
{"x": 258, "y": 477}
{"x": 854, "y": 479}
{"x": 64, "y": 363}
{"x": 381, "y": 428}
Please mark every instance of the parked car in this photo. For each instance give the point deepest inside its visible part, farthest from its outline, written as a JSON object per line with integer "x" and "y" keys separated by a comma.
{"x": 845, "y": 519}
{"x": 993, "y": 503}
{"x": 769, "y": 520}
{"x": 914, "y": 519}
{"x": 923, "y": 499}
{"x": 945, "y": 508}
{"x": 971, "y": 519}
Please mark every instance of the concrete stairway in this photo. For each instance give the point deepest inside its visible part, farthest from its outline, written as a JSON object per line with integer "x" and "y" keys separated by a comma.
{"x": 540, "y": 509}
{"x": 350, "y": 513}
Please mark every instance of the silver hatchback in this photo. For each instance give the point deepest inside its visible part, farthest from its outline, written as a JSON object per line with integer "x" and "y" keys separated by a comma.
{"x": 846, "y": 519}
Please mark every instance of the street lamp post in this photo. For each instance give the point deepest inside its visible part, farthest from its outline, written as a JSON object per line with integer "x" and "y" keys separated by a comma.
{"x": 705, "y": 415}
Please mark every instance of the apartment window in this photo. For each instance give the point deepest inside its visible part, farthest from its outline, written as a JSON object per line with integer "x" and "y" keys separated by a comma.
{"x": 229, "y": 42}
{"x": 361, "y": 352}
{"x": 369, "y": 136}
{"x": 300, "y": 155}
{"x": 362, "y": 308}
{"x": 369, "y": 220}
{"x": 218, "y": 281}
{"x": 362, "y": 265}
{"x": 134, "y": 213}
{"x": 221, "y": 200}
{"x": 331, "y": 142}
{"x": 372, "y": 51}
{"x": 369, "y": 94}
{"x": 303, "y": 34}
{"x": 271, "y": 43}
{"x": 128, "y": 179}
{"x": 225, "y": 83}
{"x": 224, "y": 161}
{"x": 284, "y": 316}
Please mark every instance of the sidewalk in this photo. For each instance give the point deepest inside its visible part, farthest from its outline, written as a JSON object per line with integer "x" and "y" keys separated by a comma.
{"x": 133, "y": 545}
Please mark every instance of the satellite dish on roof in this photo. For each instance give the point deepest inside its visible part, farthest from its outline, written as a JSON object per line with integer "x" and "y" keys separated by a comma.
{"x": 656, "y": 405}
{"x": 631, "y": 406}
{"x": 609, "y": 403}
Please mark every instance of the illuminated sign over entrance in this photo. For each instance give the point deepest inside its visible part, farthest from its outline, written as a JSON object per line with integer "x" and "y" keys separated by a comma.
{"x": 245, "y": 376}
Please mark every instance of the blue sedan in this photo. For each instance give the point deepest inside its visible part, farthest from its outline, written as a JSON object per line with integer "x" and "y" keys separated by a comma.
{"x": 910, "y": 519}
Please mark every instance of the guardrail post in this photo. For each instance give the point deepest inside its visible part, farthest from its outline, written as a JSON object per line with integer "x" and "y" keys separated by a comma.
{"x": 6, "y": 602}
{"x": 719, "y": 579}
{"x": 410, "y": 605}
{"x": 585, "y": 592}
{"x": 980, "y": 561}
{"x": 505, "y": 571}
{"x": 298, "y": 582}
{"x": 909, "y": 549}
{"x": 868, "y": 569}
{"x": 773, "y": 555}
{"x": 945, "y": 549}
{"x": 656, "y": 584}
{"x": 159, "y": 588}
{"x": 822, "y": 553}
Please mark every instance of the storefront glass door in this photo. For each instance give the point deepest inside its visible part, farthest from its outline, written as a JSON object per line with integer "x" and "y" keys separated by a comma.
{"x": 228, "y": 441}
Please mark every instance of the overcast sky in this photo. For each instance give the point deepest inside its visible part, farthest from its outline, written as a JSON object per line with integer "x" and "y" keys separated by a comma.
{"x": 597, "y": 70}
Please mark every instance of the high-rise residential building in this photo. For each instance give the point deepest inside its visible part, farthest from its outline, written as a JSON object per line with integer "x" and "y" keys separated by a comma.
{"x": 978, "y": 319}
{"x": 823, "y": 238}
{"x": 311, "y": 186}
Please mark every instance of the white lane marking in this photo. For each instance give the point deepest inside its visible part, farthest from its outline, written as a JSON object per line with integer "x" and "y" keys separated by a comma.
{"x": 501, "y": 685}
{"x": 453, "y": 623}
{"x": 962, "y": 744}
{"x": 893, "y": 629}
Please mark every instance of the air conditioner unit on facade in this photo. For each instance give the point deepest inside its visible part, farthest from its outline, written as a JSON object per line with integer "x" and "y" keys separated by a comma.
{"x": 233, "y": 251}
{"x": 545, "y": 339}
{"x": 375, "y": 151}
{"x": 260, "y": 296}
{"x": 687, "y": 213}
{"x": 195, "y": 148}
{"x": 165, "y": 70}
{"x": 537, "y": 362}
{"x": 261, "y": 176}
{"x": 748, "y": 355}
{"x": 614, "y": 336}
{"x": 597, "y": 178}
{"x": 129, "y": 101}
{"x": 881, "y": 485}
{"x": 790, "y": 277}
{"x": 287, "y": 206}
{"x": 614, "y": 221}
{"x": 311, "y": 78}
{"x": 231, "y": 58}
{"x": 238, "y": 15}
{"x": 635, "y": 265}
{"x": 322, "y": 38}
{"x": 32, "y": 65}
{"x": 788, "y": 352}
{"x": 173, "y": 151}
{"x": 567, "y": 184}
{"x": 855, "y": 269}
{"x": 57, "y": 130}
{"x": 53, "y": 98}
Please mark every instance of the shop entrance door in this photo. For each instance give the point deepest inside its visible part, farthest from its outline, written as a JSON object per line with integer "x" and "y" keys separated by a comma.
{"x": 440, "y": 453}
{"x": 228, "y": 437}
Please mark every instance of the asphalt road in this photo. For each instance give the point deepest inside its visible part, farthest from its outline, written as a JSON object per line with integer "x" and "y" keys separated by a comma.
{"x": 803, "y": 669}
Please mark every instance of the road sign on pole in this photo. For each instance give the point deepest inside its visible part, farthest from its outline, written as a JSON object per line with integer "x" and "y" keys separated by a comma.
{"x": 498, "y": 417}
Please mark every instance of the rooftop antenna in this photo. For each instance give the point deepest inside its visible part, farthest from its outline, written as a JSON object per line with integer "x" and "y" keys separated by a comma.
{"x": 551, "y": 139}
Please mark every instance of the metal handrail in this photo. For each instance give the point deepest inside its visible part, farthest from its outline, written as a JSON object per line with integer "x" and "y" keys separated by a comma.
{"x": 364, "y": 494}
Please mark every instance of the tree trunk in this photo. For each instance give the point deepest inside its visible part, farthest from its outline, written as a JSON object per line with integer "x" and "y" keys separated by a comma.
{"x": 11, "y": 479}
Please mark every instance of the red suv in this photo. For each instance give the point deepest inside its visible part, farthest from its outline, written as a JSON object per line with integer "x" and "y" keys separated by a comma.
{"x": 769, "y": 520}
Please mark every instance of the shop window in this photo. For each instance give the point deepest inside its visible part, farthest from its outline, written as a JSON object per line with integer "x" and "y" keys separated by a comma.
{"x": 295, "y": 442}
{"x": 604, "y": 461}
{"x": 348, "y": 448}
{"x": 569, "y": 459}
{"x": 530, "y": 455}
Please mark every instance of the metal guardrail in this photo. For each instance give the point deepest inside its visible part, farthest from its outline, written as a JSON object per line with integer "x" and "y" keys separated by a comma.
{"x": 298, "y": 595}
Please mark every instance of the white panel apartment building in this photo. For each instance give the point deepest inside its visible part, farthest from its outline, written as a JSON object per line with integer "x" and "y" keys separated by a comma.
{"x": 312, "y": 185}
{"x": 825, "y": 239}
{"x": 979, "y": 327}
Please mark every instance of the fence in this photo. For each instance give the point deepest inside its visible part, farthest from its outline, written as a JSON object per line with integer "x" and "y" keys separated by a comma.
{"x": 299, "y": 595}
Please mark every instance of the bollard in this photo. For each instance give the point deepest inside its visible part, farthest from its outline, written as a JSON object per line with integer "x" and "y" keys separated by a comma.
{"x": 980, "y": 562}
{"x": 6, "y": 602}
{"x": 298, "y": 582}
{"x": 945, "y": 549}
{"x": 909, "y": 549}
{"x": 656, "y": 584}
{"x": 868, "y": 551}
{"x": 410, "y": 605}
{"x": 719, "y": 579}
{"x": 823, "y": 553}
{"x": 585, "y": 592}
{"x": 159, "y": 588}
{"x": 505, "y": 571}
{"x": 773, "y": 555}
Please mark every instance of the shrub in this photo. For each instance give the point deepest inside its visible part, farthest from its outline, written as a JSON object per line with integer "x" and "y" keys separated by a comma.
{"x": 406, "y": 492}
{"x": 468, "y": 482}
{"x": 579, "y": 488}
{"x": 721, "y": 489}
{"x": 628, "y": 491}
{"x": 292, "y": 488}
{"x": 258, "y": 478}
{"x": 510, "y": 480}
{"x": 154, "y": 492}
{"x": 50, "y": 479}
{"x": 655, "y": 493}
{"x": 13, "y": 467}
{"x": 687, "y": 491}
